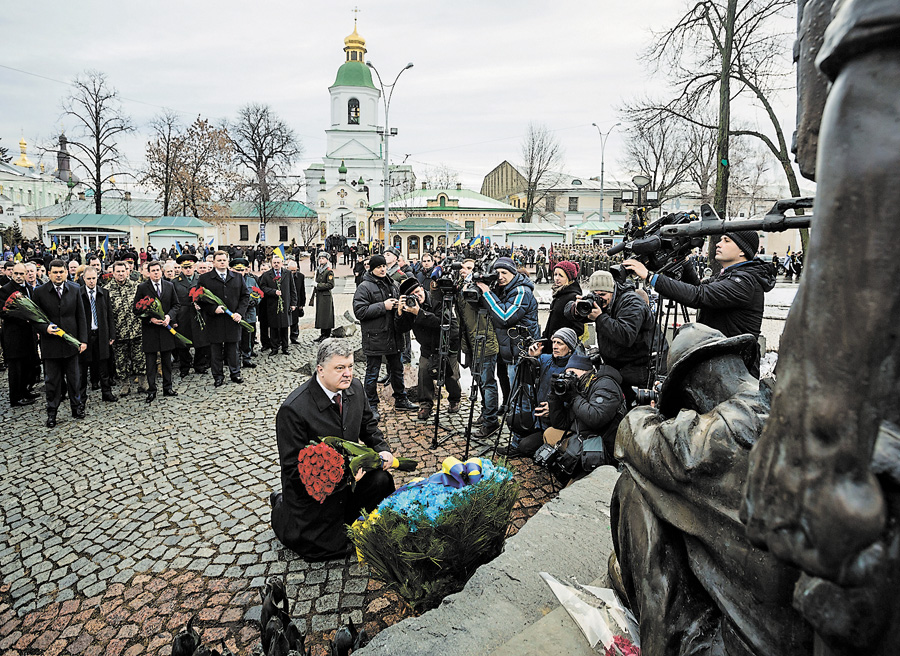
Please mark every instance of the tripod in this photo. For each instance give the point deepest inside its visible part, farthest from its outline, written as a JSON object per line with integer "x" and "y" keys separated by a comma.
{"x": 443, "y": 361}
{"x": 520, "y": 393}
{"x": 673, "y": 311}
{"x": 482, "y": 323}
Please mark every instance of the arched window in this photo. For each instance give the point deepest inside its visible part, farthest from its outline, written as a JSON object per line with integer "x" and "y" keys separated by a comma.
{"x": 428, "y": 243}
{"x": 442, "y": 200}
{"x": 321, "y": 203}
{"x": 353, "y": 111}
{"x": 412, "y": 245}
{"x": 362, "y": 203}
{"x": 398, "y": 241}
{"x": 442, "y": 241}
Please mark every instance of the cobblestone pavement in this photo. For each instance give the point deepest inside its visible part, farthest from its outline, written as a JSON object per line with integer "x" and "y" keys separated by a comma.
{"x": 115, "y": 529}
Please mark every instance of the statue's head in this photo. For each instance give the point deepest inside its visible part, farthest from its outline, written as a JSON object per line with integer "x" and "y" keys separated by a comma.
{"x": 695, "y": 345}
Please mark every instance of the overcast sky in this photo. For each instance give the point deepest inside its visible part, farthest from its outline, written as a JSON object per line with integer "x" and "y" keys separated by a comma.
{"x": 483, "y": 69}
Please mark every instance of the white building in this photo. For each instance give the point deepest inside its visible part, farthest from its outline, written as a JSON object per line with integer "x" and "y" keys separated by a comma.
{"x": 350, "y": 176}
{"x": 25, "y": 186}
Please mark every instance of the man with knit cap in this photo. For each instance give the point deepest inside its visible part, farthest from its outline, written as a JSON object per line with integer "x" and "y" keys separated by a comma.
{"x": 731, "y": 302}
{"x": 625, "y": 329}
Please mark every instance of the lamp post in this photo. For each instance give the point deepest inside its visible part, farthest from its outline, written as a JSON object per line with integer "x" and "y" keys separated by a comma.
{"x": 603, "y": 138}
{"x": 387, "y": 90}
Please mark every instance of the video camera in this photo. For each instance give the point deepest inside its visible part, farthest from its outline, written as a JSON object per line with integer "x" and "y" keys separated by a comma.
{"x": 563, "y": 384}
{"x": 647, "y": 244}
{"x": 471, "y": 293}
{"x": 448, "y": 279}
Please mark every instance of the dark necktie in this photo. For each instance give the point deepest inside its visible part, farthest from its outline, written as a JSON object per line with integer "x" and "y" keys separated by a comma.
{"x": 158, "y": 290}
{"x": 96, "y": 324}
{"x": 339, "y": 402}
{"x": 59, "y": 291}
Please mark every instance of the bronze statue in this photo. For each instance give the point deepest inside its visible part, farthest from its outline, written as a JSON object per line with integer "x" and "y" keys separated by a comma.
{"x": 814, "y": 483}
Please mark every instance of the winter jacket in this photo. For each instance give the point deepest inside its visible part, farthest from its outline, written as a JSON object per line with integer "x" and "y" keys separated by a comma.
{"x": 468, "y": 317}
{"x": 426, "y": 326}
{"x": 732, "y": 302}
{"x": 595, "y": 403}
{"x": 549, "y": 366}
{"x": 511, "y": 306}
{"x": 558, "y": 317}
{"x": 625, "y": 330}
{"x": 380, "y": 336}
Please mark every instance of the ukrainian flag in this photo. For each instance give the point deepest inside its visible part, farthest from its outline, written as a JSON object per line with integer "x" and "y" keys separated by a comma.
{"x": 475, "y": 241}
{"x": 279, "y": 251}
{"x": 460, "y": 240}
{"x": 105, "y": 247}
{"x": 178, "y": 247}
{"x": 53, "y": 243}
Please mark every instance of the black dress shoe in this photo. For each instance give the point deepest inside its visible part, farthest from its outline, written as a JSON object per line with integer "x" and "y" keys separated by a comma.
{"x": 151, "y": 396}
{"x": 78, "y": 413}
{"x": 51, "y": 421}
{"x": 170, "y": 393}
{"x": 248, "y": 364}
{"x": 273, "y": 498}
{"x": 95, "y": 387}
{"x": 405, "y": 404}
{"x": 31, "y": 395}
{"x": 237, "y": 379}
{"x": 294, "y": 341}
{"x": 201, "y": 370}
{"x": 110, "y": 397}
{"x": 219, "y": 382}
{"x": 285, "y": 352}
{"x": 275, "y": 352}
{"x": 22, "y": 403}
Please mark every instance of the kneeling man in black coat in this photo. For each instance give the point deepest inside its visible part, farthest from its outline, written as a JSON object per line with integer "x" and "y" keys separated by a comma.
{"x": 331, "y": 403}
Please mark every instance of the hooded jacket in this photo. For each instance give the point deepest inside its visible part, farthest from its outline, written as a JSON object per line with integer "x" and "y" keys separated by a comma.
{"x": 625, "y": 330}
{"x": 732, "y": 302}
{"x": 379, "y": 334}
{"x": 510, "y": 306}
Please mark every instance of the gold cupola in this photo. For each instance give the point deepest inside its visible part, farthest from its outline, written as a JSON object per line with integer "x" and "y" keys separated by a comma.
{"x": 23, "y": 160}
{"x": 355, "y": 46}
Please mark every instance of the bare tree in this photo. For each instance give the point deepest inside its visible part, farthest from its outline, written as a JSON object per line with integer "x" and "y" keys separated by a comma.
{"x": 100, "y": 120}
{"x": 266, "y": 147}
{"x": 750, "y": 165}
{"x": 205, "y": 178}
{"x": 740, "y": 60}
{"x": 701, "y": 142}
{"x": 661, "y": 151}
{"x": 308, "y": 228}
{"x": 164, "y": 157}
{"x": 441, "y": 177}
{"x": 543, "y": 157}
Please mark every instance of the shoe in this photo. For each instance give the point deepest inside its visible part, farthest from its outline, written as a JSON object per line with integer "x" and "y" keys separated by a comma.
{"x": 125, "y": 390}
{"x": 237, "y": 379}
{"x": 273, "y": 498}
{"x": 219, "y": 382}
{"x": 509, "y": 451}
{"x": 109, "y": 397}
{"x": 285, "y": 352}
{"x": 274, "y": 352}
{"x": 248, "y": 365}
{"x": 22, "y": 403}
{"x": 201, "y": 370}
{"x": 454, "y": 408}
{"x": 404, "y": 404}
{"x": 294, "y": 341}
{"x": 78, "y": 413}
{"x": 486, "y": 430}
{"x": 184, "y": 373}
{"x": 423, "y": 413}
{"x": 31, "y": 395}
{"x": 170, "y": 393}
{"x": 320, "y": 338}
{"x": 51, "y": 421}
{"x": 151, "y": 396}
{"x": 95, "y": 387}
{"x": 384, "y": 381}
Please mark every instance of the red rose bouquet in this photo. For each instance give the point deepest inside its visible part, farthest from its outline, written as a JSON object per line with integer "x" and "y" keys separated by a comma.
{"x": 203, "y": 295}
{"x": 151, "y": 307}
{"x": 321, "y": 470}
{"x": 21, "y": 307}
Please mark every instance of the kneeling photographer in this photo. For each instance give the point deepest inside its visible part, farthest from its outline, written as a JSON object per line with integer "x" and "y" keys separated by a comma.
{"x": 588, "y": 404}
{"x": 733, "y": 301}
{"x": 419, "y": 310}
{"x": 625, "y": 328}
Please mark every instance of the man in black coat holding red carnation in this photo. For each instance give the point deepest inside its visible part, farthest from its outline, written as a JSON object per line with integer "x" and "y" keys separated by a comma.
{"x": 331, "y": 403}
{"x": 224, "y": 331}
{"x": 155, "y": 335}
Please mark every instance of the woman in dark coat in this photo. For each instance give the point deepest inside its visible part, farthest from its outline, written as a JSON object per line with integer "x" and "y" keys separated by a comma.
{"x": 565, "y": 289}
{"x": 321, "y": 297}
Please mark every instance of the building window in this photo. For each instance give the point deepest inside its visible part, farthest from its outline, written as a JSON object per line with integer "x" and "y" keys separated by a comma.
{"x": 353, "y": 111}
{"x": 442, "y": 200}
{"x": 470, "y": 230}
{"x": 282, "y": 233}
{"x": 398, "y": 241}
{"x": 573, "y": 203}
{"x": 550, "y": 203}
{"x": 428, "y": 244}
{"x": 412, "y": 245}
{"x": 617, "y": 204}
{"x": 245, "y": 232}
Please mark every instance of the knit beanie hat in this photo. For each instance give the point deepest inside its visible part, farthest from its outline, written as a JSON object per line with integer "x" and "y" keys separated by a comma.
{"x": 506, "y": 263}
{"x": 376, "y": 261}
{"x": 567, "y": 336}
{"x": 747, "y": 241}
{"x": 580, "y": 361}
{"x": 601, "y": 281}
{"x": 568, "y": 268}
{"x": 393, "y": 250}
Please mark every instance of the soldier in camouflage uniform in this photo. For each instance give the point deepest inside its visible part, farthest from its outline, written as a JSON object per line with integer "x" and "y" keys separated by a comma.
{"x": 127, "y": 346}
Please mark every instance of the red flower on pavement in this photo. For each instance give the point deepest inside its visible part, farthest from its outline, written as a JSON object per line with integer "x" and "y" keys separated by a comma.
{"x": 321, "y": 470}
{"x": 622, "y": 646}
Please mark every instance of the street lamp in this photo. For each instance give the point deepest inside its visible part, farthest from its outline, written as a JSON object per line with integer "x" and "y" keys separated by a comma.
{"x": 603, "y": 139}
{"x": 387, "y": 90}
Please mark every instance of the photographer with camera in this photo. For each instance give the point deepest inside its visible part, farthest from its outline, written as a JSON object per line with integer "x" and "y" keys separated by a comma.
{"x": 625, "y": 328}
{"x": 565, "y": 290}
{"x": 733, "y": 301}
{"x": 418, "y": 311}
{"x": 474, "y": 326}
{"x": 588, "y": 404}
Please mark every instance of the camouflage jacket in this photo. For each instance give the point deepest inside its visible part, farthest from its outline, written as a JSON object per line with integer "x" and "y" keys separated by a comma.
{"x": 121, "y": 300}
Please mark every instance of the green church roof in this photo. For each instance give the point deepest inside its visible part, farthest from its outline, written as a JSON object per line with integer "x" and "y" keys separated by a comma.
{"x": 354, "y": 74}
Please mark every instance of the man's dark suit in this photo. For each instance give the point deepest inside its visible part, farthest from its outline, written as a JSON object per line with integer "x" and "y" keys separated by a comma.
{"x": 61, "y": 358}
{"x": 222, "y": 331}
{"x": 19, "y": 347}
{"x": 318, "y": 531}
{"x": 96, "y": 356}
{"x": 271, "y": 282}
{"x": 157, "y": 339}
{"x": 300, "y": 286}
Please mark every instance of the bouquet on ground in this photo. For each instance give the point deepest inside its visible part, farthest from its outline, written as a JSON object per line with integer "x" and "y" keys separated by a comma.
{"x": 19, "y": 306}
{"x": 203, "y": 295}
{"x": 151, "y": 307}
{"x": 334, "y": 463}
{"x": 428, "y": 538}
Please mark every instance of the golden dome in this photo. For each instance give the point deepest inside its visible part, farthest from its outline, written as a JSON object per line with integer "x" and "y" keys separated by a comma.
{"x": 23, "y": 160}
{"x": 355, "y": 46}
